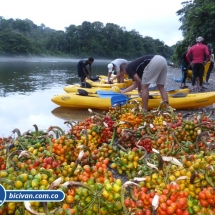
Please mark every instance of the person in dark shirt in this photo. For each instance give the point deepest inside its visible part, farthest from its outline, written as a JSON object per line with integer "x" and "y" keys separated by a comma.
{"x": 210, "y": 49}
{"x": 146, "y": 70}
{"x": 197, "y": 55}
{"x": 82, "y": 68}
{"x": 184, "y": 69}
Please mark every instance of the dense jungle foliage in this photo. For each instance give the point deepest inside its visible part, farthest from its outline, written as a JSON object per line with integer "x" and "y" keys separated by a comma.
{"x": 198, "y": 19}
{"x": 23, "y": 37}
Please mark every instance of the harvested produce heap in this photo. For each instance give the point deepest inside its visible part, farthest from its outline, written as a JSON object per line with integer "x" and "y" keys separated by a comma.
{"x": 120, "y": 162}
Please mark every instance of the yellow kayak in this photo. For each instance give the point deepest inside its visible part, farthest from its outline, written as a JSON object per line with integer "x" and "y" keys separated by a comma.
{"x": 74, "y": 89}
{"x": 190, "y": 101}
{"x": 101, "y": 84}
{"x": 190, "y": 72}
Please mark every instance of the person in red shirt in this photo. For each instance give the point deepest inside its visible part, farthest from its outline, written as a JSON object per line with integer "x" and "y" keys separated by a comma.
{"x": 196, "y": 56}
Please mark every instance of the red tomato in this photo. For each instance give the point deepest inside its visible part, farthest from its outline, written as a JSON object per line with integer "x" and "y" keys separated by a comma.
{"x": 163, "y": 206}
{"x": 161, "y": 212}
{"x": 174, "y": 205}
{"x": 127, "y": 202}
{"x": 148, "y": 212}
{"x": 208, "y": 194}
{"x": 133, "y": 205}
{"x": 169, "y": 202}
{"x": 170, "y": 210}
{"x": 139, "y": 212}
{"x": 186, "y": 213}
{"x": 162, "y": 198}
{"x": 165, "y": 191}
{"x": 182, "y": 203}
{"x": 173, "y": 197}
{"x": 142, "y": 196}
{"x": 179, "y": 211}
{"x": 139, "y": 204}
{"x": 204, "y": 203}
{"x": 55, "y": 164}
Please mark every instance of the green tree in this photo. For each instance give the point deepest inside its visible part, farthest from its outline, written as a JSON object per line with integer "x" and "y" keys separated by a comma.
{"x": 23, "y": 37}
{"x": 15, "y": 43}
{"x": 198, "y": 19}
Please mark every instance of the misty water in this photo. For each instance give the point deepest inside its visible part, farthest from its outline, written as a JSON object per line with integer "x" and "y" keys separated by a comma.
{"x": 27, "y": 86}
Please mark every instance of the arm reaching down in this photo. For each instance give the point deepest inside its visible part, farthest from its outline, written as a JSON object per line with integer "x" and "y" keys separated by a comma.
{"x": 136, "y": 83}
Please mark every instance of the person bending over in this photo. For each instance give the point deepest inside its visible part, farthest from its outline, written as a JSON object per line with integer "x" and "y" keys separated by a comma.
{"x": 115, "y": 66}
{"x": 146, "y": 70}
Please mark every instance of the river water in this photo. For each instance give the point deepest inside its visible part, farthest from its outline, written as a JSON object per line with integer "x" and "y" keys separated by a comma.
{"x": 27, "y": 86}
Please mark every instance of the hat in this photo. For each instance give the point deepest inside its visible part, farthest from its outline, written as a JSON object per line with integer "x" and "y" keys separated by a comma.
{"x": 199, "y": 39}
{"x": 110, "y": 67}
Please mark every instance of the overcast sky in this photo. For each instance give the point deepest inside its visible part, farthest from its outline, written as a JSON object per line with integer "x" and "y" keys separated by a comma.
{"x": 154, "y": 18}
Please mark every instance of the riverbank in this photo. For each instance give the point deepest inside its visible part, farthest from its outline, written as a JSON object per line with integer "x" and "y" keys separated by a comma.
{"x": 175, "y": 73}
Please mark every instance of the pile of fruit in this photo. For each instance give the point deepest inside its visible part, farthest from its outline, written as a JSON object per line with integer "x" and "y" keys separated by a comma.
{"x": 121, "y": 162}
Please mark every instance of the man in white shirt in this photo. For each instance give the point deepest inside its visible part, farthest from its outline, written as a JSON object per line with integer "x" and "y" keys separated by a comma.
{"x": 115, "y": 66}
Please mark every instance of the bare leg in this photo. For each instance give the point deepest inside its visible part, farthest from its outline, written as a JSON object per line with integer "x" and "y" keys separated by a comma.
{"x": 145, "y": 96}
{"x": 163, "y": 92}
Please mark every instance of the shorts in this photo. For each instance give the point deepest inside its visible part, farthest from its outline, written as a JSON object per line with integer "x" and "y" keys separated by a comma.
{"x": 81, "y": 73}
{"x": 198, "y": 70}
{"x": 156, "y": 71}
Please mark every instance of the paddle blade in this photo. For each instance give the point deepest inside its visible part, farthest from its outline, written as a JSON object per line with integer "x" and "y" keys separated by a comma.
{"x": 119, "y": 100}
{"x": 106, "y": 94}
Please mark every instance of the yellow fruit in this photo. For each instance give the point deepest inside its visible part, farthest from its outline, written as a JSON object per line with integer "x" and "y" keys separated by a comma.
{"x": 38, "y": 176}
{"x": 115, "y": 89}
{"x": 105, "y": 194}
{"x": 11, "y": 206}
{"x": 18, "y": 184}
{"x": 35, "y": 151}
{"x": 44, "y": 182}
{"x": 177, "y": 174}
{"x": 183, "y": 171}
{"x": 23, "y": 177}
{"x": 148, "y": 185}
{"x": 188, "y": 174}
{"x": 172, "y": 178}
{"x": 182, "y": 186}
{"x": 186, "y": 190}
{"x": 154, "y": 176}
{"x": 3, "y": 174}
{"x": 163, "y": 185}
{"x": 191, "y": 187}
{"x": 174, "y": 167}
{"x": 35, "y": 183}
{"x": 197, "y": 190}
{"x": 192, "y": 194}
{"x": 31, "y": 149}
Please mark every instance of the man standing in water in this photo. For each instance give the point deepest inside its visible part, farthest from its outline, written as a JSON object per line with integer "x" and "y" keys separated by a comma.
{"x": 82, "y": 69}
{"x": 146, "y": 70}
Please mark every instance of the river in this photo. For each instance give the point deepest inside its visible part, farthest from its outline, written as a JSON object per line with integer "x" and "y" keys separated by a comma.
{"x": 27, "y": 86}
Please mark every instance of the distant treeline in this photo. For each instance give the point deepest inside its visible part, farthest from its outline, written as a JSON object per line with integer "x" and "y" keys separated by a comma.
{"x": 24, "y": 38}
{"x": 197, "y": 18}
